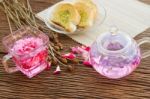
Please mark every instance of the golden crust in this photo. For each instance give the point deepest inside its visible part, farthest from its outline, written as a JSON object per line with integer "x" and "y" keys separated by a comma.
{"x": 91, "y": 5}
{"x": 66, "y": 16}
{"x": 82, "y": 14}
{"x": 87, "y": 14}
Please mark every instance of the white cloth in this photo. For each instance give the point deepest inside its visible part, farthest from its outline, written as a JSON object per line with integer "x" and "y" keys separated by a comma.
{"x": 130, "y": 16}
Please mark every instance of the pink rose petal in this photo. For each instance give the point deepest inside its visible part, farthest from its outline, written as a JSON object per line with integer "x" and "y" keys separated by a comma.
{"x": 75, "y": 50}
{"x": 87, "y": 63}
{"x": 85, "y": 55}
{"x": 69, "y": 56}
{"x": 48, "y": 66}
{"x": 86, "y": 48}
{"x": 82, "y": 51}
{"x": 57, "y": 71}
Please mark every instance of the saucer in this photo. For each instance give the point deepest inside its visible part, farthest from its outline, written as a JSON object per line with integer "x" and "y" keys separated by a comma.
{"x": 101, "y": 15}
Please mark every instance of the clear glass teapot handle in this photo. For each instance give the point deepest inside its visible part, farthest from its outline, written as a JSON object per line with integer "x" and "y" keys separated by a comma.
{"x": 6, "y": 67}
{"x": 142, "y": 41}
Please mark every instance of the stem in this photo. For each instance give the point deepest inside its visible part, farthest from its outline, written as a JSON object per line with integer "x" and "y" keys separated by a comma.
{"x": 30, "y": 9}
{"x": 8, "y": 20}
{"x": 52, "y": 53}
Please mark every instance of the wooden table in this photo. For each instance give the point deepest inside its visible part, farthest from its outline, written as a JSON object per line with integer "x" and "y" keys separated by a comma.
{"x": 84, "y": 83}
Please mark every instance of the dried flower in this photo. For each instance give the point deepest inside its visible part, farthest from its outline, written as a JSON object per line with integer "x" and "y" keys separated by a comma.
{"x": 54, "y": 61}
{"x": 60, "y": 46}
{"x": 70, "y": 68}
{"x": 74, "y": 61}
{"x": 63, "y": 60}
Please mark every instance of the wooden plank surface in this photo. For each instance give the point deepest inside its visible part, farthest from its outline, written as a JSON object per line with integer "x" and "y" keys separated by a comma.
{"x": 84, "y": 83}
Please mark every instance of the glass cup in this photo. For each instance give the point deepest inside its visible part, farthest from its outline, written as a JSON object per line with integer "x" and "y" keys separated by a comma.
{"x": 28, "y": 48}
{"x": 115, "y": 54}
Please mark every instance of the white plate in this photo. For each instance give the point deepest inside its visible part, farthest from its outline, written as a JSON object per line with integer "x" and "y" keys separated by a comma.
{"x": 98, "y": 21}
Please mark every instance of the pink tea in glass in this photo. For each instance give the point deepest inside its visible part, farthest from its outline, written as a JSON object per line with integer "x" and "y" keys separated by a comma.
{"x": 28, "y": 49}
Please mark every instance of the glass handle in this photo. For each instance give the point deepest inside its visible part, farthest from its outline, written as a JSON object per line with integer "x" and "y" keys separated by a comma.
{"x": 142, "y": 41}
{"x": 6, "y": 67}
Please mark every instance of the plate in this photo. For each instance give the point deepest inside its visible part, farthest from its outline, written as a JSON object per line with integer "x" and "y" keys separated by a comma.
{"x": 98, "y": 21}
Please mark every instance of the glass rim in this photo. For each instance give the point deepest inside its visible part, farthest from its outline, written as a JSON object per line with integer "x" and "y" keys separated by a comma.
{"x": 25, "y": 27}
{"x": 100, "y": 47}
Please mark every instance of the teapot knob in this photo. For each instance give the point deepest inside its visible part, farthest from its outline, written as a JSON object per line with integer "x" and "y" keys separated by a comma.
{"x": 113, "y": 30}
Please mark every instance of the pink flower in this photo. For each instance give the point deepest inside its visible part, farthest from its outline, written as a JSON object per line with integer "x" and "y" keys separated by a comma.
{"x": 57, "y": 71}
{"x": 69, "y": 56}
{"x": 75, "y": 50}
{"x": 87, "y": 48}
{"x": 81, "y": 49}
{"x": 48, "y": 66}
{"x": 87, "y": 63}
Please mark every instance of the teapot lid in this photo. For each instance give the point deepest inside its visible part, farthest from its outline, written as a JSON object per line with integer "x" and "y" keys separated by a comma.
{"x": 114, "y": 40}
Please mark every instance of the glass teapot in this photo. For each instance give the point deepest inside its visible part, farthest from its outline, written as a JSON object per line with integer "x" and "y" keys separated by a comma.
{"x": 115, "y": 54}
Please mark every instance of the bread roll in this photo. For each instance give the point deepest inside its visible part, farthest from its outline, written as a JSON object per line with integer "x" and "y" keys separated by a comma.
{"x": 66, "y": 16}
{"x": 91, "y": 4}
{"x": 87, "y": 14}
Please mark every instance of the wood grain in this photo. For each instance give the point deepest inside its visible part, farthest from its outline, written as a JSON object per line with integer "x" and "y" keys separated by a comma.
{"x": 84, "y": 83}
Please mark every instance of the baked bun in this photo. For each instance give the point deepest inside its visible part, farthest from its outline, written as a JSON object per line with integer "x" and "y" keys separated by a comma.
{"x": 66, "y": 16}
{"x": 91, "y": 4}
{"x": 88, "y": 12}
